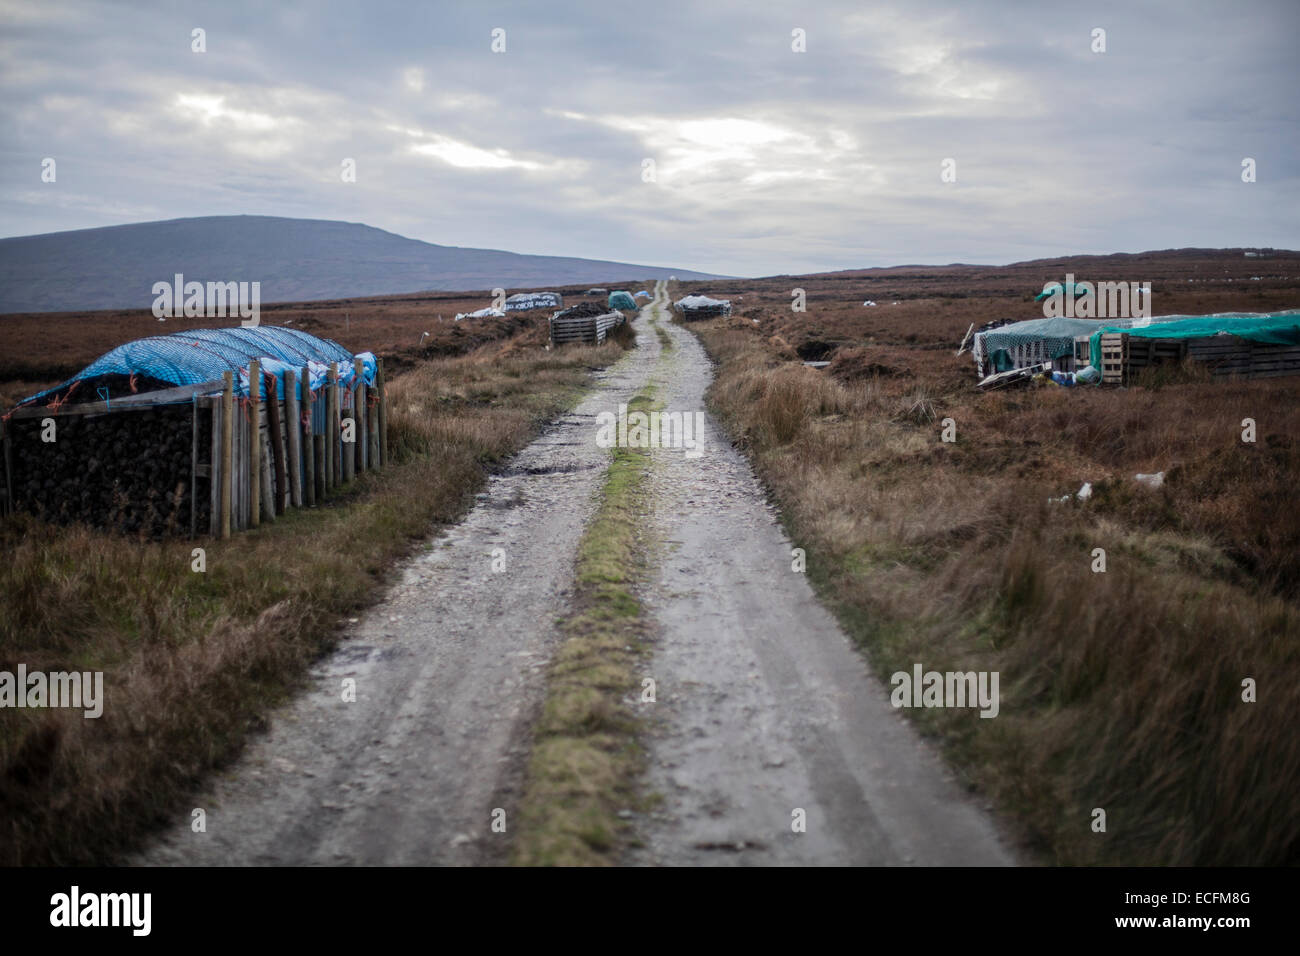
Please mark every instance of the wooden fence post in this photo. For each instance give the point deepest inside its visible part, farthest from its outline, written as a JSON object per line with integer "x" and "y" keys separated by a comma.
{"x": 227, "y": 450}
{"x": 194, "y": 465}
{"x": 320, "y": 444}
{"x": 268, "y": 479}
{"x": 383, "y": 412}
{"x": 276, "y": 441}
{"x": 308, "y": 426}
{"x": 255, "y": 443}
{"x": 372, "y": 425}
{"x": 334, "y": 450}
{"x": 359, "y": 430}
{"x": 214, "y": 467}
{"x": 293, "y": 432}
{"x": 348, "y": 448}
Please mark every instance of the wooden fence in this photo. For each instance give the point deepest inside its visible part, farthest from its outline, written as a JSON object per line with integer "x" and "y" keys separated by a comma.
{"x": 254, "y": 458}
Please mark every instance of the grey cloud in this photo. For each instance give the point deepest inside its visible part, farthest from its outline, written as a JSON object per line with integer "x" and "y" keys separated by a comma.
{"x": 836, "y": 164}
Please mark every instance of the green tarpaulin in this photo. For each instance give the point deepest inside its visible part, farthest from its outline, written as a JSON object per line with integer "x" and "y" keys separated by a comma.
{"x": 621, "y": 300}
{"x": 1277, "y": 328}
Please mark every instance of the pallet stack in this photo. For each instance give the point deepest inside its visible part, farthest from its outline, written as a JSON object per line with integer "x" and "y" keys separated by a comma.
{"x": 1124, "y": 356}
{"x": 1229, "y": 355}
{"x": 589, "y": 329}
{"x": 1114, "y": 358}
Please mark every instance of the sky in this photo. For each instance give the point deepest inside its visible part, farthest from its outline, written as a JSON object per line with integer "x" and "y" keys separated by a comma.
{"x": 742, "y": 138}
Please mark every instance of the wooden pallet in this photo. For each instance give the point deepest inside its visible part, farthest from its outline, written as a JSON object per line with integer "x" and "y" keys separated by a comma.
{"x": 587, "y": 329}
{"x": 1144, "y": 352}
{"x": 1229, "y": 355}
{"x": 1123, "y": 356}
{"x": 1114, "y": 354}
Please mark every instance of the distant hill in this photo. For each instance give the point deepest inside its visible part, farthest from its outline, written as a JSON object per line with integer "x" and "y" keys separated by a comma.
{"x": 296, "y": 260}
{"x": 1167, "y": 262}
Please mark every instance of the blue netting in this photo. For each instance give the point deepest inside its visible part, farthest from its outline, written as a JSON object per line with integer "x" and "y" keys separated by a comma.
{"x": 203, "y": 355}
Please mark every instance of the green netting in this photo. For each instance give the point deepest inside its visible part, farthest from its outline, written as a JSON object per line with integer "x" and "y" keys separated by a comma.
{"x": 621, "y": 300}
{"x": 1059, "y": 330}
{"x": 1277, "y": 328}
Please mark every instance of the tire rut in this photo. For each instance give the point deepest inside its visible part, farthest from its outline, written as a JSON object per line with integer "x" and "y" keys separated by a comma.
{"x": 764, "y": 707}
{"x": 449, "y": 668}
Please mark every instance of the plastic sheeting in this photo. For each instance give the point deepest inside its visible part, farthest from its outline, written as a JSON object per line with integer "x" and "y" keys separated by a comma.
{"x": 1276, "y": 328}
{"x": 1059, "y": 332}
{"x": 196, "y": 356}
{"x": 522, "y": 301}
{"x": 318, "y": 373}
{"x": 703, "y": 303}
{"x": 621, "y": 300}
{"x": 488, "y": 313}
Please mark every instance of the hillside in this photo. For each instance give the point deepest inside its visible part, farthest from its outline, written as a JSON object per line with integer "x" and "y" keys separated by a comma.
{"x": 296, "y": 260}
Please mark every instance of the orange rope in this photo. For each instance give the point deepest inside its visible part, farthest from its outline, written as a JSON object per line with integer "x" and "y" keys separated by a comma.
{"x": 5, "y": 416}
{"x": 58, "y": 403}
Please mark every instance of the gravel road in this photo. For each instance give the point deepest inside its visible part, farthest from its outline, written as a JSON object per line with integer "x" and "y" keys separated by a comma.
{"x": 449, "y": 671}
{"x": 762, "y": 706}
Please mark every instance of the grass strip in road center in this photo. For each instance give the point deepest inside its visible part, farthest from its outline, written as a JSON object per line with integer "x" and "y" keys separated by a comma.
{"x": 665, "y": 340}
{"x": 586, "y": 758}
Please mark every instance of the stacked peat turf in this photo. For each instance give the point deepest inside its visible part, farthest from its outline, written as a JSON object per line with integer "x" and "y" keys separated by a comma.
{"x": 129, "y": 471}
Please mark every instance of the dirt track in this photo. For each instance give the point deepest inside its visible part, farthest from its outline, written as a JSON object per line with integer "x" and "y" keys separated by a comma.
{"x": 449, "y": 673}
{"x": 762, "y": 705}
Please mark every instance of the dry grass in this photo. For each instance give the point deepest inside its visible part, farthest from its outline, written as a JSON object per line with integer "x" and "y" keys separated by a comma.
{"x": 1120, "y": 690}
{"x": 42, "y": 349}
{"x": 193, "y": 662}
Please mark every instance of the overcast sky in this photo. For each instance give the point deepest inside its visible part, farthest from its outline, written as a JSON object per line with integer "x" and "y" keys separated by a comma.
{"x": 766, "y": 160}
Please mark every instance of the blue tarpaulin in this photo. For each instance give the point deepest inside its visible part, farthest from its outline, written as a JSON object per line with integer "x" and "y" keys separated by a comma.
{"x": 196, "y": 356}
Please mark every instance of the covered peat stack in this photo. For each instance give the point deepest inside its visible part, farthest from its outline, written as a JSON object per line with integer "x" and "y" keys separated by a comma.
{"x": 199, "y": 432}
